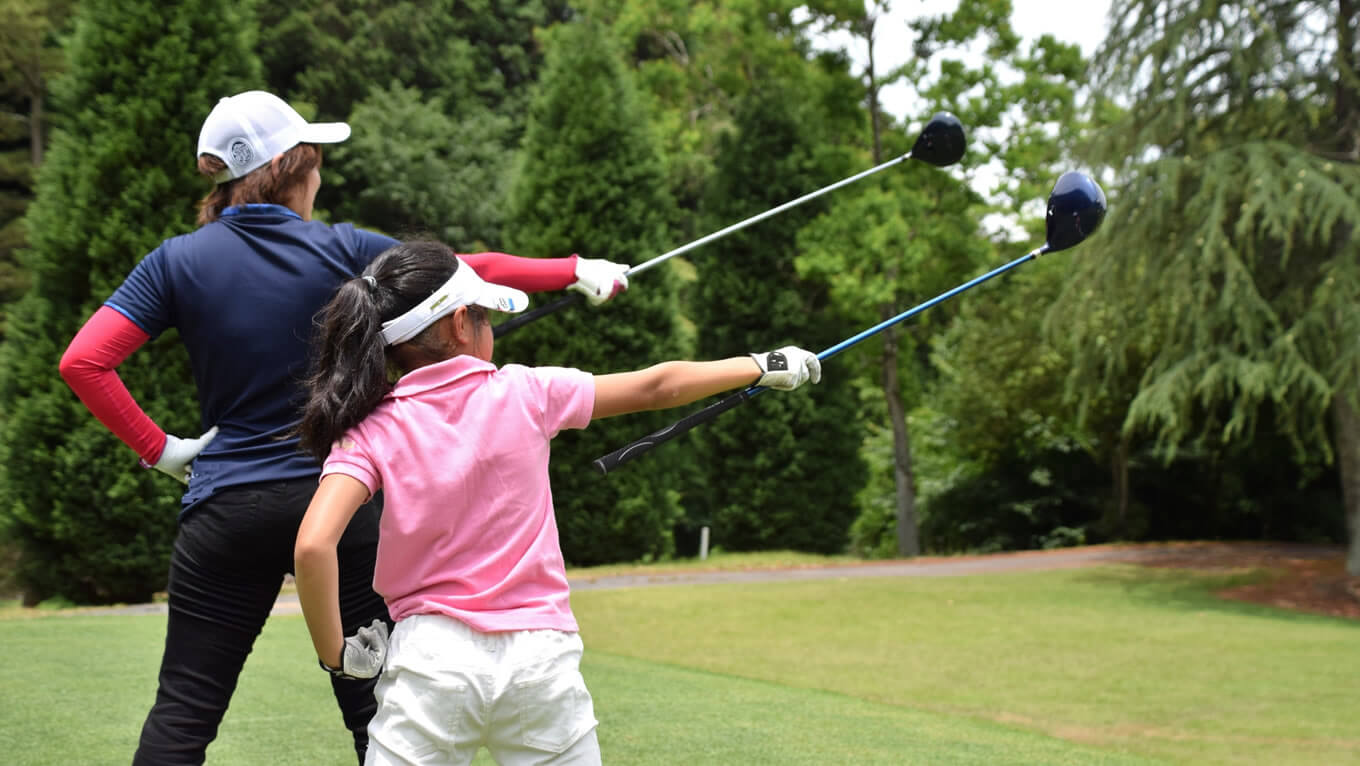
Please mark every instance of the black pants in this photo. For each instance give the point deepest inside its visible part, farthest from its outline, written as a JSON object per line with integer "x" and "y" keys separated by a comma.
{"x": 229, "y": 559}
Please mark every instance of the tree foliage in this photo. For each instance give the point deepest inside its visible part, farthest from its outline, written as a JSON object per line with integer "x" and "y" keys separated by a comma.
{"x": 1218, "y": 163}
{"x": 446, "y": 178}
{"x": 30, "y": 56}
{"x": 436, "y": 93}
{"x": 119, "y": 177}
{"x": 1014, "y": 104}
{"x": 332, "y": 54}
{"x": 791, "y": 459}
{"x": 1238, "y": 195}
{"x": 695, "y": 61}
{"x": 900, "y": 238}
{"x": 590, "y": 180}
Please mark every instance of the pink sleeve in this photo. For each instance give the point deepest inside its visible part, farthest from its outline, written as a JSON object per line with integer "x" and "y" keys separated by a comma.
{"x": 349, "y": 458}
{"x": 88, "y": 368}
{"x": 532, "y": 275}
{"x": 566, "y": 397}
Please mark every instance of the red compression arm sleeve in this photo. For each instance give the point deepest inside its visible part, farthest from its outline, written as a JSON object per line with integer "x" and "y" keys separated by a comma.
{"x": 88, "y": 368}
{"x": 532, "y": 275}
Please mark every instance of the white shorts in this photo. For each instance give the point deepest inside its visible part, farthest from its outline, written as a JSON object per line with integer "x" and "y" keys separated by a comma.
{"x": 449, "y": 690}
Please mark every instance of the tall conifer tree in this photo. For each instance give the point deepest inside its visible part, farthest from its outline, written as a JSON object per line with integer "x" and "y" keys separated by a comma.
{"x": 1232, "y": 228}
{"x": 451, "y": 78}
{"x": 30, "y": 56}
{"x": 590, "y": 180}
{"x": 783, "y": 472}
{"x": 116, "y": 180}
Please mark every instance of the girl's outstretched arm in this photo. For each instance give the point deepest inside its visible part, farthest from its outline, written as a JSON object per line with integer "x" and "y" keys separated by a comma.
{"x": 675, "y": 384}
{"x": 316, "y": 566}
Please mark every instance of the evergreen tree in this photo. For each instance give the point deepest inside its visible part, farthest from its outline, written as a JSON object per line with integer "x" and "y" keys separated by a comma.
{"x": 1232, "y": 228}
{"x": 16, "y": 191}
{"x": 118, "y": 178}
{"x": 452, "y": 76}
{"x": 783, "y": 471}
{"x": 695, "y": 60}
{"x": 446, "y": 176}
{"x": 590, "y": 180}
{"x": 29, "y": 57}
{"x": 333, "y": 54}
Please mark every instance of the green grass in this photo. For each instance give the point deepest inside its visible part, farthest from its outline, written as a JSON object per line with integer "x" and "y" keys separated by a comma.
{"x": 1143, "y": 661}
{"x": 1113, "y": 665}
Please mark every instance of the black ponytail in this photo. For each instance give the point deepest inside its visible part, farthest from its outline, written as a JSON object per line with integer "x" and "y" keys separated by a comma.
{"x": 351, "y": 367}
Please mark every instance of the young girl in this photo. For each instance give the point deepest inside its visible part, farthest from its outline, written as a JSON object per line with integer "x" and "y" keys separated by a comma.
{"x": 485, "y": 651}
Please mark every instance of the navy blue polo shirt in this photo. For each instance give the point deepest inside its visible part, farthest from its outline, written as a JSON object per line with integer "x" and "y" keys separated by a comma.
{"x": 242, "y": 292}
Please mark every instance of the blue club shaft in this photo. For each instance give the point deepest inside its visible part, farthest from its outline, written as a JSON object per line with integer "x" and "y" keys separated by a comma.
{"x": 613, "y": 460}
{"x": 913, "y": 311}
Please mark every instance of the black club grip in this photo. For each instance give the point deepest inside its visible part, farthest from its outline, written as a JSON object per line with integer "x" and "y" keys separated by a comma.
{"x": 629, "y": 451}
{"x": 519, "y": 320}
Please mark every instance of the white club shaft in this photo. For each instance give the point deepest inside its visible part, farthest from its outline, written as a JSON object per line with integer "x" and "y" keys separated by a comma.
{"x": 641, "y": 267}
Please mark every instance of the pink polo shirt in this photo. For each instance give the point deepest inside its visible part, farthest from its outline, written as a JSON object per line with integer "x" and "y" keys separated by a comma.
{"x": 460, "y": 450}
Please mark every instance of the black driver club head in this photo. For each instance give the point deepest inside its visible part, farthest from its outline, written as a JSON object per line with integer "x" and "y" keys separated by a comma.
{"x": 1075, "y": 209}
{"x": 941, "y": 142}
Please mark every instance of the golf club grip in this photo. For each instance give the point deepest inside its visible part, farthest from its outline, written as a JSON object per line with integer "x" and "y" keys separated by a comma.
{"x": 629, "y": 451}
{"x": 520, "y": 320}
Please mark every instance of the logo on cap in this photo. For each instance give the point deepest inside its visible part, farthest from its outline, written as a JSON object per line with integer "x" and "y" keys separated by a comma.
{"x": 241, "y": 153}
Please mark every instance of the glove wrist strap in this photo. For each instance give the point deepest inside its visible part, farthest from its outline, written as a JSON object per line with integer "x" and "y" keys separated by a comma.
{"x": 337, "y": 672}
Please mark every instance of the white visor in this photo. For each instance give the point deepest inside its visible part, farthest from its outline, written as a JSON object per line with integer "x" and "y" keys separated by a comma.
{"x": 464, "y": 288}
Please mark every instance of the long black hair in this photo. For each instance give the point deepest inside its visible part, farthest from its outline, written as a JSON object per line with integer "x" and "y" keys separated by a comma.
{"x": 351, "y": 367}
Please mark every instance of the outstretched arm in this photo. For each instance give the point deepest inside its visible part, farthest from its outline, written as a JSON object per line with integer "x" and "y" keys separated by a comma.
{"x": 532, "y": 275}
{"x": 597, "y": 279}
{"x": 669, "y": 384}
{"x": 675, "y": 384}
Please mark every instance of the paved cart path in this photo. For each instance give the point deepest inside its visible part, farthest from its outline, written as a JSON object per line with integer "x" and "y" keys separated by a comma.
{"x": 1172, "y": 554}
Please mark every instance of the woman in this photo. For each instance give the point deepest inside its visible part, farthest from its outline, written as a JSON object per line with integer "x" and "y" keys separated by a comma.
{"x": 485, "y": 652}
{"x": 242, "y": 290}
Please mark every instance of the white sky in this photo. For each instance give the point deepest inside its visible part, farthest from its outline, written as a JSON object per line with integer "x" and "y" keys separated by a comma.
{"x": 1075, "y": 21}
{"x": 1082, "y": 22}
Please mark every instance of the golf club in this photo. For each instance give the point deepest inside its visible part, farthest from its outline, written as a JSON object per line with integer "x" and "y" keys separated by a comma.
{"x": 1076, "y": 208}
{"x": 941, "y": 143}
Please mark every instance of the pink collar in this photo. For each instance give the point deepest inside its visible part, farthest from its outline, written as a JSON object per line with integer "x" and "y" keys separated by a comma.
{"x": 439, "y": 374}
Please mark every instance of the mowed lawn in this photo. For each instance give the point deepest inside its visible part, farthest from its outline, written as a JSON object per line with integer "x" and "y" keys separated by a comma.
{"x": 1113, "y": 665}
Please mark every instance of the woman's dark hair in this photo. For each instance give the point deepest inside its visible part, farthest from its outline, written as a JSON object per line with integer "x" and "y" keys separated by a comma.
{"x": 351, "y": 366}
{"x": 269, "y": 184}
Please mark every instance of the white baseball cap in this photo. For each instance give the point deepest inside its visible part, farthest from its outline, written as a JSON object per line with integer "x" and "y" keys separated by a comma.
{"x": 464, "y": 288}
{"x": 249, "y": 129}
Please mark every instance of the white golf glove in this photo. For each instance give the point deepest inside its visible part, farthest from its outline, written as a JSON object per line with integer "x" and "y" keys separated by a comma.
{"x": 787, "y": 368}
{"x": 599, "y": 279}
{"x": 364, "y": 653}
{"x": 179, "y": 453}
